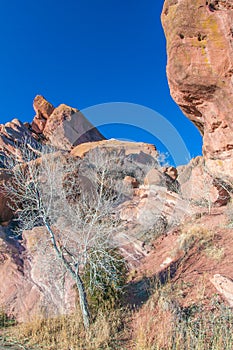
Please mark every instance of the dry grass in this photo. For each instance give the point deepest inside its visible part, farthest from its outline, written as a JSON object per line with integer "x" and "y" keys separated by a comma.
{"x": 215, "y": 253}
{"x": 67, "y": 333}
{"x": 165, "y": 325}
{"x": 195, "y": 235}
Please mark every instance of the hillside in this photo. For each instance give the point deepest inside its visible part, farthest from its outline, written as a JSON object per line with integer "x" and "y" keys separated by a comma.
{"x": 104, "y": 247}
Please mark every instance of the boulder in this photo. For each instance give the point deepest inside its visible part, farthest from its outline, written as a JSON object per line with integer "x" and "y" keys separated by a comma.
{"x": 199, "y": 185}
{"x": 43, "y": 111}
{"x": 67, "y": 127}
{"x": 224, "y": 285}
{"x": 42, "y": 107}
{"x": 154, "y": 177}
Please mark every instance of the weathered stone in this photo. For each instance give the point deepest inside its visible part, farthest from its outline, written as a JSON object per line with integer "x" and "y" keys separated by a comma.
{"x": 34, "y": 284}
{"x": 225, "y": 286}
{"x": 14, "y": 137}
{"x": 200, "y": 73}
{"x": 67, "y": 127}
{"x": 154, "y": 177}
{"x": 43, "y": 111}
{"x": 42, "y": 107}
{"x": 138, "y": 148}
{"x": 198, "y": 184}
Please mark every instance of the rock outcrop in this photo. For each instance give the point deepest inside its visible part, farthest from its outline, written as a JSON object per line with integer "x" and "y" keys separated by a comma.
{"x": 200, "y": 73}
{"x": 62, "y": 128}
{"x": 200, "y": 186}
{"x": 14, "y": 137}
{"x": 146, "y": 150}
{"x": 67, "y": 127}
{"x": 33, "y": 286}
{"x": 224, "y": 285}
{"x": 43, "y": 111}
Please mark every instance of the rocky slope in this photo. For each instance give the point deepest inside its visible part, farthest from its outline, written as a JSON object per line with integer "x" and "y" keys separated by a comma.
{"x": 155, "y": 199}
{"x": 33, "y": 285}
{"x": 200, "y": 69}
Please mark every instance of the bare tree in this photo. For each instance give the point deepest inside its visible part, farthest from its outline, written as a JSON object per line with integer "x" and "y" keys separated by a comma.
{"x": 75, "y": 201}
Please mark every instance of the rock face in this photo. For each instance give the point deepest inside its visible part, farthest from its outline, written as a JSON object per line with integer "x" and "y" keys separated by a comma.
{"x": 200, "y": 72}
{"x": 14, "y": 136}
{"x": 62, "y": 127}
{"x": 200, "y": 186}
{"x": 141, "y": 149}
{"x": 33, "y": 286}
{"x": 225, "y": 286}
{"x": 66, "y": 127}
{"x": 43, "y": 111}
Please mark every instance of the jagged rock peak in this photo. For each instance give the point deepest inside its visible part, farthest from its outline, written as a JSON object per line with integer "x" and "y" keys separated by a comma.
{"x": 42, "y": 106}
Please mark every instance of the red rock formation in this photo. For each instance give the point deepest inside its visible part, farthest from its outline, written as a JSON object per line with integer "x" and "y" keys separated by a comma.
{"x": 67, "y": 127}
{"x": 14, "y": 136}
{"x": 200, "y": 72}
{"x": 127, "y": 147}
{"x": 199, "y": 185}
{"x": 43, "y": 111}
{"x": 33, "y": 286}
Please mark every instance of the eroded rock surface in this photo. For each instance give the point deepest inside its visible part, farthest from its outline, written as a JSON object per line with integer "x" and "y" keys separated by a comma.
{"x": 200, "y": 72}
{"x": 225, "y": 286}
{"x": 198, "y": 185}
{"x": 67, "y": 127}
{"x": 33, "y": 286}
{"x": 43, "y": 110}
{"x": 141, "y": 149}
{"x": 14, "y": 137}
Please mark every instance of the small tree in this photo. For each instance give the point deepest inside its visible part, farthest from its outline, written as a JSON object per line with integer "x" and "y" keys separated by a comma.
{"x": 75, "y": 201}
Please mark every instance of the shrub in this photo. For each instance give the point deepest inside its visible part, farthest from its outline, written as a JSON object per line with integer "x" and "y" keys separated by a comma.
{"x": 107, "y": 292}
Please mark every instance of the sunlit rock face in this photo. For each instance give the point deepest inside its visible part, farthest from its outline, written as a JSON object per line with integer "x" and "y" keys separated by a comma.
{"x": 143, "y": 150}
{"x": 67, "y": 127}
{"x": 63, "y": 127}
{"x": 200, "y": 72}
{"x": 33, "y": 286}
{"x": 43, "y": 110}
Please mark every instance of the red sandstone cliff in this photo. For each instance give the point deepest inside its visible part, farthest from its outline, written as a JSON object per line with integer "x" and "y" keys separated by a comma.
{"x": 200, "y": 72}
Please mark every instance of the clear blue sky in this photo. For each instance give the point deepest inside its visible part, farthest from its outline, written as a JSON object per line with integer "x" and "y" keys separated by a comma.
{"x": 87, "y": 52}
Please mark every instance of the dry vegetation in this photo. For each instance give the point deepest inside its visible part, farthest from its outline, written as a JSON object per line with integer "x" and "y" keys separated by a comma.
{"x": 163, "y": 322}
{"x": 165, "y": 325}
{"x": 67, "y": 332}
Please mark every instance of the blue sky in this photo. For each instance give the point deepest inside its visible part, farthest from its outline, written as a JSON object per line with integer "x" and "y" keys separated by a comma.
{"x": 85, "y": 53}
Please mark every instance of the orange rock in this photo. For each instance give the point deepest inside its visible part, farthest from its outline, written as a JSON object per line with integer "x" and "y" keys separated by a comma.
{"x": 200, "y": 73}
{"x": 43, "y": 111}
{"x": 67, "y": 127}
{"x": 42, "y": 107}
{"x": 127, "y": 147}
